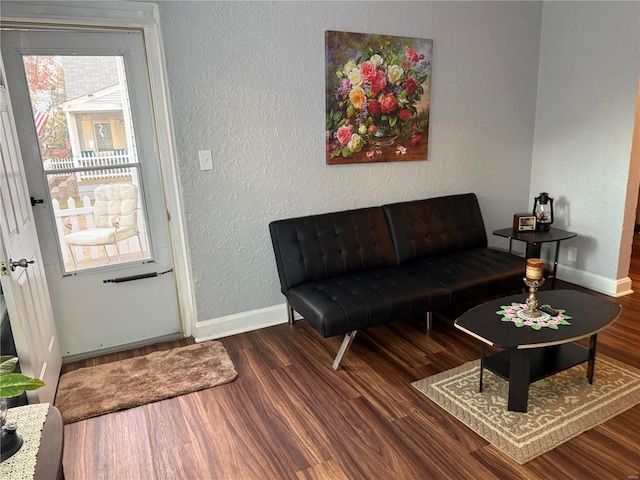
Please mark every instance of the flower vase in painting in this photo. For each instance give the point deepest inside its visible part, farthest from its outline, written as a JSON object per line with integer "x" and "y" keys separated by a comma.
{"x": 378, "y": 96}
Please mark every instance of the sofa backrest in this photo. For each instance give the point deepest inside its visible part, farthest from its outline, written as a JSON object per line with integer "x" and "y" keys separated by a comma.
{"x": 324, "y": 246}
{"x": 422, "y": 228}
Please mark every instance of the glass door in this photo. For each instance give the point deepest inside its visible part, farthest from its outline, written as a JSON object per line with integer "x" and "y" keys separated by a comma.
{"x": 82, "y": 121}
{"x": 83, "y": 110}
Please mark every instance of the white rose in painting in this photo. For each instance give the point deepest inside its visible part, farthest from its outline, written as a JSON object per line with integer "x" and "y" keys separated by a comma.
{"x": 349, "y": 66}
{"x": 355, "y": 143}
{"x": 355, "y": 78}
{"x": 394, "y": 73}
{"x": 376, "y": 60}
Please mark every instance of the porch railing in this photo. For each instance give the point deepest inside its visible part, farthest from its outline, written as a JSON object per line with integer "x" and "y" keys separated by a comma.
{"x": 113, "y": 160}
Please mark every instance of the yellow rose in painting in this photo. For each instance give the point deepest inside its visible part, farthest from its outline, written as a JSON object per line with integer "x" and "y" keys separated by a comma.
{"x": 395, "y": 72}
{"x": 362, "y": 129}
{"x": 355, "y": 78}
{"x": 357, "y": 98}
{"x": 355, "y": 143}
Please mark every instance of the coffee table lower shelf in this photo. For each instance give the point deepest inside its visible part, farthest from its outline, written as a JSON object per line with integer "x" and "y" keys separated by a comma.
{"x": 521, "y": 367}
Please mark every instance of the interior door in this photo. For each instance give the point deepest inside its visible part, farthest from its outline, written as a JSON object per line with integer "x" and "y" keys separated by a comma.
{"x": 109, "y": 271}
{"x": 22, "y": 276}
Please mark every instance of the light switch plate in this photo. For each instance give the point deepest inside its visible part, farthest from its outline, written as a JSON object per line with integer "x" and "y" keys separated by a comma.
{"x": 206, "y": 160}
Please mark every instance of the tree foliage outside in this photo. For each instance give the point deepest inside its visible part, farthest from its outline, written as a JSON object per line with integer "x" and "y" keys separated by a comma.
{"x": 45, "y": 77}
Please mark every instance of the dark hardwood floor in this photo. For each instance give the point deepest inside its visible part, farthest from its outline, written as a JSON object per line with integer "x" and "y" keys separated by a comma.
{"x": 288, "y": 415}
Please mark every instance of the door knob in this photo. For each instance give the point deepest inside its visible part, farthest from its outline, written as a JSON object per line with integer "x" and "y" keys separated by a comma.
{"x": 23, "y": 262}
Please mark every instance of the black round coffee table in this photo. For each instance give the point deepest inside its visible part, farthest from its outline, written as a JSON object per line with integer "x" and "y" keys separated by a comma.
{"x": 533, "y": 349}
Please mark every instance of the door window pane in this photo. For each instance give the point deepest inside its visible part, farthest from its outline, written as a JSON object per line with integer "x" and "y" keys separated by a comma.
{"x": 82, "y": 118}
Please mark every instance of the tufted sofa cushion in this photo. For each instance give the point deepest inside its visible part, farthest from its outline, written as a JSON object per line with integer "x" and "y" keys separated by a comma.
{"x": 364, "y": 299}
{"x": 470, "y": 274}
{"x": 430, "y": 227}
{"x": 443, "y": 240}
{"x": 317, "y": 247}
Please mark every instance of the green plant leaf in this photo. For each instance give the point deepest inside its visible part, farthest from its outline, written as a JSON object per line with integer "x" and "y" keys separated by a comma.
{"x": 519, "y": 324}
{"x": 505, "y": 319}
{"x": 553, "y": 326}
{"x": 14, "y": 384}
{"x": 7, "y": 364}
{"x": 535, "y": 326}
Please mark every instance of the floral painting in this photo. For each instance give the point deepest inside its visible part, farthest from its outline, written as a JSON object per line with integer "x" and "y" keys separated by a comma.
{"x": 378, "y": 91}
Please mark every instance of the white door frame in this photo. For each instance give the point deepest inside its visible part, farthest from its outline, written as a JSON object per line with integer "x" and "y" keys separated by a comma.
{"x": 143, "y": 17}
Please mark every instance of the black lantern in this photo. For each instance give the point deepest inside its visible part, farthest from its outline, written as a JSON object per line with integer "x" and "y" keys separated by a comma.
{"x": 543, "y": 210}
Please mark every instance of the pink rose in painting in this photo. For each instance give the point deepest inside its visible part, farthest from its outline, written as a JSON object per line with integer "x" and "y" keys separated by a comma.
{"x": 368, "y": 71}
{"x": 374, "y": 108}
{"x": 415, "y": 140}
{"x": 411, "y": 54}
{"x": 410, "y": 86}
{"x": 388, "y": 103}
{"x": 344, "y": 134}
{"x": 379, "y": 83}
{"x": 404, "y": 114}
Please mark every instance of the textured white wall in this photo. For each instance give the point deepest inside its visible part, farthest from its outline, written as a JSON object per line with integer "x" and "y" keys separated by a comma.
{"x": 589, "y": 67}
{"x": 247, "y": 81}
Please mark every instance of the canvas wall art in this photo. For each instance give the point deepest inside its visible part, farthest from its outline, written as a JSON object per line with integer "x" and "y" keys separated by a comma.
{"x": 378, "y": 91}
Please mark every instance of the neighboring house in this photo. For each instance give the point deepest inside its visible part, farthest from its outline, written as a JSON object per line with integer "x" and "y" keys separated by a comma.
{"x": 96, "y": 122}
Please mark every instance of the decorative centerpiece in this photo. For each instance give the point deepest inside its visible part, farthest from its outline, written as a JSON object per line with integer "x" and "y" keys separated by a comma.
{"x": 533, "y": 279}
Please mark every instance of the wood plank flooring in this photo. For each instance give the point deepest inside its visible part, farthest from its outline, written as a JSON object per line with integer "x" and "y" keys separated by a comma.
{"x": 288, "y": 415}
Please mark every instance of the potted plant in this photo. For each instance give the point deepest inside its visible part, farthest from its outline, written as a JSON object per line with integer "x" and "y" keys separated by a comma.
{"x": 11, "y": 385}
{"x": 14, "y": 384}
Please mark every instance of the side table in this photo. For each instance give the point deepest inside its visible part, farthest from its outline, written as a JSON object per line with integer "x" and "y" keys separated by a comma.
{"x": 534, "y": 241}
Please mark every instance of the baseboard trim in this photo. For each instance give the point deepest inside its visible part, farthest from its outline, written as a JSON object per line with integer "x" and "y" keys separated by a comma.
{"x": 240, "y": 323}
{"x": 121, "y": 348}
{"x": 597, "y": 283}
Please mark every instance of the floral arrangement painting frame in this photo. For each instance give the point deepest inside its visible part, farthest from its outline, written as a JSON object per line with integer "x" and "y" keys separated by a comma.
{"x": 378, "y": 95}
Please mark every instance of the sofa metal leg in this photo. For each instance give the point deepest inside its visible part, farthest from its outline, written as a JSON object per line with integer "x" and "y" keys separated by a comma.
{"x": 428, "y": 321}
{"x": 348, "y": 338}
{"x": 290, "y": 314}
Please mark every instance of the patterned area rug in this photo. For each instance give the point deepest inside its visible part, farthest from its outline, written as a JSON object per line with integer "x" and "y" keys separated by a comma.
{"x": 560, "y": 407}
{"x": 92, "y": 391}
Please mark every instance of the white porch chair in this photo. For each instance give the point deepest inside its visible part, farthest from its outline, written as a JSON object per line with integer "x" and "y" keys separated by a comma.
{"x": 115, "y": 219}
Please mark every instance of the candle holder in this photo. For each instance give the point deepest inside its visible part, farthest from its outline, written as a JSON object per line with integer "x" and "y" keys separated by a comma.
{"x": 532, "y": 300}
